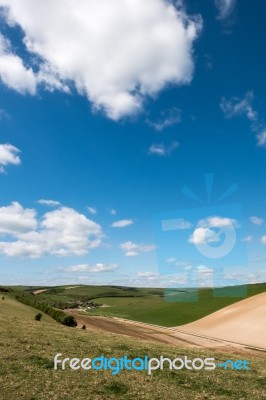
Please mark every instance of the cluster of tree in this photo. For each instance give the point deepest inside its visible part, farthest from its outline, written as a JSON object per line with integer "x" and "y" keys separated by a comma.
{"x": 57, "y": 315}
{"x": 5, "y": 290}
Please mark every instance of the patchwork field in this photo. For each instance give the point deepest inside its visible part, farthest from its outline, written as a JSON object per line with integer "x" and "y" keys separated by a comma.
{"x": 144, "y": 305}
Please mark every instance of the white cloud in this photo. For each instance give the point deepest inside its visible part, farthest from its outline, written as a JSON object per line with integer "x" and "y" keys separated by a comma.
{"x": 261, "y": 139}
{"x": 168, "y": 118}
{"x": 132, "y": 249}
{"x": 203, "y": 234}
{"x": 219, "y": 222}
{"x": 236, "y": 106}
{"x": 162, "y": 150}
{"x": 116, "y": 53}
{"x": 202, "y": 269}
{"x": 16, "y": 220}
{"x": 62, "y": 232}
{"x": 148, "y": 275}
{"x": 225, "y": 7}
{"x": 9, "y": 155}
{"x": 49, "y": 203}
{"x": 122, "y": 223}
{"x": 151, "y": 279}
{"x": 254, "y": 277}
{"x": 256, "y": 220}
{"x": 92, "y": 210}
{"x": 96, "y": 268}
{"x": 205, "y": 276}
{"x": 13, "y": 73}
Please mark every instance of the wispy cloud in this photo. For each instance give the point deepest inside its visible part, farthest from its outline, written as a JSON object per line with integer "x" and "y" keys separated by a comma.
{"x": 49, "y": 203}
{"x": 162, "y": 150}
{"x": 88, "y": 268}
{"x": 92, "y": 210}
{"x": 4, "y": 114}
{"x": 122, "y": 223}
{"x": 247, "y": 238}
{"x": 261, "y": 138}
{"x": 132, "y": 249}
{"x": 168, "y": 118}
{"x": 175, "y": 224}
{"x": 236, "y": 106}
{"x": 256, "y": 220}
{"x": 9, "y": 155}
{"x": 225, "y": 8}
{"x": 263, "y": 239}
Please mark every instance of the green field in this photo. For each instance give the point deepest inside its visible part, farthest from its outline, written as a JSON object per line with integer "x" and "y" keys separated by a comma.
{"x": 28, "y": 348}
{"x": 154, "y": 309}
{"x": 145, "y": 305}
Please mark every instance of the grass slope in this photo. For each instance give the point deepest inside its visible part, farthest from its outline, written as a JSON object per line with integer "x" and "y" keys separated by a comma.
{"x": 28, "y": 348}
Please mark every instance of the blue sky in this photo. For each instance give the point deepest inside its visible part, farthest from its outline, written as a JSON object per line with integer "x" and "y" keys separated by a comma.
{"x": 106, "y": 112}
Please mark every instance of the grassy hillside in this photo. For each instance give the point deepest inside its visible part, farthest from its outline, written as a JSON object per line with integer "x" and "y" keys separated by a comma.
{"x": 28, "y": 348}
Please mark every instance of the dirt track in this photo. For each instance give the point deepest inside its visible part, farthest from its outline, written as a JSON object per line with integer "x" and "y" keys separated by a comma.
{"x": 39, "y": 291}
{"x": 154, "y": 333}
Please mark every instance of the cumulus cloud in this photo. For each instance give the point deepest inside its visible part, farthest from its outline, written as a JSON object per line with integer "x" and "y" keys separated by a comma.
{"x": 256, "y": 220}
{"x": 132, "y": 249}
{"x": 162, "y": 150}
{"x": 13, "y": 73}
{"x": 203, "y": 234}
{"x": 115, "y": 53}
{"x": 96, "y": 268}
{"x": 236, "y": 106}
{"x": 9, "y": 155}
{"x": 122, "y": 223}
{"x": 16, "y": 220}
{"x": 219, "y": 222}
{"x": 62, "y": 232}
{"x": 49, "y": 203}
{"x": 168, "y": 118}
{"x": 225, "y": 7}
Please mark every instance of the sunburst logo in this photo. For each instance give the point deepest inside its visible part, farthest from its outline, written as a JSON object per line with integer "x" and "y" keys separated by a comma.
{"x": 202, "y": 246}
